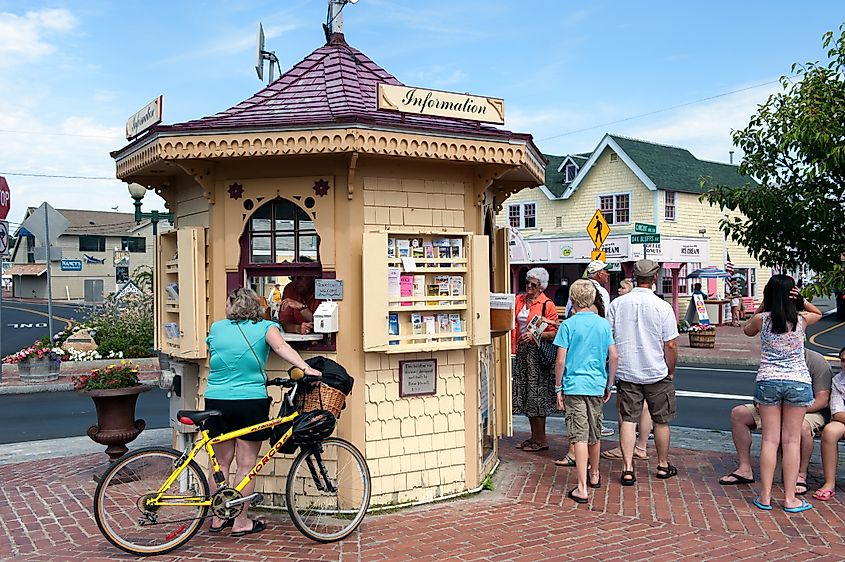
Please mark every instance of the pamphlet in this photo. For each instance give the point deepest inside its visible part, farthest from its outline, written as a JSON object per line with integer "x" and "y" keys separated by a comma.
{"x": 393, "y": 327}
{"x": 406, "y": 287}
{"x": 416, "y": 323}
{"x": 403, "y": 248}
{"x": 393, "y": 277}
{"x": 391, "y": 247}
{"x": 457, "y": 325}
{"x": 537, "y": 326}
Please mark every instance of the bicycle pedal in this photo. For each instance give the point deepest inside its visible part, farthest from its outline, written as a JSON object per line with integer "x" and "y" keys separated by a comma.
{"x": 257, "y": 500}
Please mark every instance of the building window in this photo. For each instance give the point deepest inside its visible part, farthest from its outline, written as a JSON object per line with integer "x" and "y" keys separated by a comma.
{"x": 669, "y": 206}
{"x": 92, "y": 243}
{"x": 616, "y": 208}
{"x": 747, "y": 280}
{"x": 558, "y": 222}
{"x": 30, "y": 248}
{"x": 571, "y": 172}
{"x": 522, "y": 215}
{"x": 281, "y": 232}
{"x": 133, "y": 244}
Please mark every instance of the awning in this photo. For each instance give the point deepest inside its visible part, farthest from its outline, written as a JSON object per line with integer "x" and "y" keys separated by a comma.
{"x": 27, "y": 269}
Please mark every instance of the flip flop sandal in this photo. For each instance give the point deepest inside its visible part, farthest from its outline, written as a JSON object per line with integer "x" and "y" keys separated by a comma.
{"x": 227, "y": 523}
{"x": 760, "y": 505}
{"x": 524, "y": 444}
{"x": 801, "y": 492}
{"x": 737, "y": 479}
{"x": 805, "y": 505}
{"x": 640, "y": 456}
{"x": 665, "y": 472}
{"x": 571, "y": 495}
{"x": 613, "y": 454}
{"x": 566, "y": 461}
{"x": 257, "y": 527}
{"x": 596, "y": 484}
{"x": 823, "y": 494}
{"x": 628, "y": 478}
{"x": 535, "y": 447}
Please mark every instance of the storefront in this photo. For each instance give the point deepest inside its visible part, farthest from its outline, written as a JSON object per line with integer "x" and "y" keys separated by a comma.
{"x": 323, "y": 176}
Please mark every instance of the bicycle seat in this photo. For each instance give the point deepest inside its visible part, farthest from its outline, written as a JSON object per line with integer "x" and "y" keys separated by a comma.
{"x": 195, "y": 417}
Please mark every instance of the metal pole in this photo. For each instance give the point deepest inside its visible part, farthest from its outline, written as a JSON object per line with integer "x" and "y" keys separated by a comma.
{"x": 49, "y": 278}
{"x": 2, "y": 288}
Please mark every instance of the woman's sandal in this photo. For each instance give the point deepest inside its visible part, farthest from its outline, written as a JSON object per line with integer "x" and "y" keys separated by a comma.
{"x": 804, "y": 488}
{"x": 566, "y": 461}
{"x": 226, "y": 523}
{"x": 596, "y": 484}
{"x": 823, "y": 494}
{"x": 668, "y": 471}
{"x": 577, "y": 499}
{"x": 628, "y": 478}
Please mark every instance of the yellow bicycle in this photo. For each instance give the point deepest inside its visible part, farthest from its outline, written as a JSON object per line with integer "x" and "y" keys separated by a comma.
{"x": 153, "y": 500}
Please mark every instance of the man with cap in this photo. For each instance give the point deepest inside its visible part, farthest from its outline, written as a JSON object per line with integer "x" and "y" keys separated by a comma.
{"x": 646, "y": 336}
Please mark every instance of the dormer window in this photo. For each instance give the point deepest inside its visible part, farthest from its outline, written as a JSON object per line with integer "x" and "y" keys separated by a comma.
{"x": 571, "y": 171}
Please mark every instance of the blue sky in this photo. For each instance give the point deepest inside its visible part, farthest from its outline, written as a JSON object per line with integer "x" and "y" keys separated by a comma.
{"x": 73, "y": 72}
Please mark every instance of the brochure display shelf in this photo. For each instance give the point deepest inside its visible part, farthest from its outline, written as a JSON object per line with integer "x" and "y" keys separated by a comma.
{"x": 180, "y": 326}
{"x": 420, "y": 291}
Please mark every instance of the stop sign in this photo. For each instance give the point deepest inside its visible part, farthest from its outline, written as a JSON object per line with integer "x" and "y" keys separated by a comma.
{"x": 4, "y": 198}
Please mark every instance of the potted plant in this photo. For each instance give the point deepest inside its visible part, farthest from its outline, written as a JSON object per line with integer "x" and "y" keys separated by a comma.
{"x": 114, "y": 390}
{"x": 37, "y": 363}
{"x": 702, "y": 335}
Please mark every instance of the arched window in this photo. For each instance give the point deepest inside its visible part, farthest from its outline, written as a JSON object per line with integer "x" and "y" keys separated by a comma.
{"x": 282, "y": 232}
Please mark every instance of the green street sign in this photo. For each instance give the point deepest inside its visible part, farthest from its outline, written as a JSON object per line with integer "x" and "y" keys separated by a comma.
{"x": 645, "y": 228}
{"x": 645, "y": 239}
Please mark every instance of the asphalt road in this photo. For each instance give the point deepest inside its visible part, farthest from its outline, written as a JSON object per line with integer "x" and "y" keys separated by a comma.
{"x": 24, "y": 322}
{"x": 50, "y": 415}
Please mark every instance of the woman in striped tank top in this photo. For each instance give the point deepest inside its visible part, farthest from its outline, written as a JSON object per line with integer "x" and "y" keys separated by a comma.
{"x": 784, "y": 388}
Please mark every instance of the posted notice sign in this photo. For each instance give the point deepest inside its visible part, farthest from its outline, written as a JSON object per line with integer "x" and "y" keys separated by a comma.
{"x": 418, "y": 378}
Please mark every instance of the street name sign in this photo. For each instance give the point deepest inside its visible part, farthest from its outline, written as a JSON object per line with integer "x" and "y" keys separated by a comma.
{"x": 645, "y": 239}
{"x": 71, "y": 265}
{"x": 4, "y": 238}
{"x": 598, "y": 229}
{"x": 644, "y": 228}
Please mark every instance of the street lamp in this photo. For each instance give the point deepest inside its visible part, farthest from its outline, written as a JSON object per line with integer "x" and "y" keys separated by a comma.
{"x": 137, "y": 191}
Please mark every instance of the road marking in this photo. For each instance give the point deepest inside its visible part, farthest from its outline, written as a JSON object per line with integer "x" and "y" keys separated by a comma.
{"x": 690, "y": 368}
{"x": 826, "y": 330}
{"x": 714, "y": 395}
{"x": 38, "y": 312}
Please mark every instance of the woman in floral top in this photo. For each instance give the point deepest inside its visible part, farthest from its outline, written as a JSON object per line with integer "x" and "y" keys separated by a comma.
{"x": 784, "y": 388}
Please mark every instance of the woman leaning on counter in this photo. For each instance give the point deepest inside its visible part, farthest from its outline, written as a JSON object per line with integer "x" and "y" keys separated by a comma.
{"x": 533, "y": 384}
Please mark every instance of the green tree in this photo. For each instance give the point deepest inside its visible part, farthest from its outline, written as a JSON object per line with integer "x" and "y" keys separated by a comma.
{"x": 794, "y": 146}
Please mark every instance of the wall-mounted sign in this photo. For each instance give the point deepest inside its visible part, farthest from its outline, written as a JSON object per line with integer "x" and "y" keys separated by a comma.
{"x": 328, "y": 289}
{"x": 418, "y": 378}
{"x": 71, "y": 265}
{"x": 121, "y": 258}
{"x": 121, "y": 274}
{"x": 442, "y": 104}
{"x": 145, "y": 118}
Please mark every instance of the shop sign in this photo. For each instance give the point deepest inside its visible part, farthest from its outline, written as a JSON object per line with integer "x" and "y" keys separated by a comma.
{"x": 442, "y": 104}
{"x": 145, "y": 118}
{"x": 418, "y": 378}
{"x": 121, "y": 258}
{"x": 566, "y": 251}
{"x": 70, "y": 265}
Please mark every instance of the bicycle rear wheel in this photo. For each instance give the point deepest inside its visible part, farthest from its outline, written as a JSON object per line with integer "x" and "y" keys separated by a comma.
{"x": 328, "y": 490}
{"x": 119, "y": 502}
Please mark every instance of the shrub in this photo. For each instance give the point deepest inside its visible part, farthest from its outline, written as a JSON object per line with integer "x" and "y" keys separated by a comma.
{"x": 125, "y": 326}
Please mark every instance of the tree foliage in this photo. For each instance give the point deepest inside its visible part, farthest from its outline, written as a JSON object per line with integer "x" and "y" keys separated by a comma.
{"x": 794, "y": 146}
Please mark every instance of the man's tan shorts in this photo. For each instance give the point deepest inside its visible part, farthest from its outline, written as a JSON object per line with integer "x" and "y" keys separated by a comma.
{"x": 660, "y": 397}
{"x": 814, "y": 419}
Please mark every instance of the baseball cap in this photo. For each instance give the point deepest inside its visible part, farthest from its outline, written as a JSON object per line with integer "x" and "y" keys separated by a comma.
{"x": 645, "y": 268}
{"x": 595, "y": 266}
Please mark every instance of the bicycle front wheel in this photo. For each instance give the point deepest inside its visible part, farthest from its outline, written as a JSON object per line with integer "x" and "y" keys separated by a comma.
{"x": 120, "y": 502}
{"x": 328, "y": 490}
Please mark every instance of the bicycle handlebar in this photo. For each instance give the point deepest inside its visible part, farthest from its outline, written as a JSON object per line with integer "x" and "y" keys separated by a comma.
{"x": 292, "y": 382}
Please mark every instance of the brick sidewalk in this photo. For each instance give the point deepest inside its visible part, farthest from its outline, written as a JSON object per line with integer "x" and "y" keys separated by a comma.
{"x": 45, "y": 514}
{"x": 733, "y": 347}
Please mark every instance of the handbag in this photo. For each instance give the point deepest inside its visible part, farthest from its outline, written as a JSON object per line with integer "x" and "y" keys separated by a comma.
{"x": 548, "y": 350}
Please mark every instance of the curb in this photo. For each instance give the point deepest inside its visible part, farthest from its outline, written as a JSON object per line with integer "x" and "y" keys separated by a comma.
{"x": 692, "y": 360}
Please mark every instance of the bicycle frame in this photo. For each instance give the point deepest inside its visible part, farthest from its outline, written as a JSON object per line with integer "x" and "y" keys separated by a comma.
{"x": 159, "y": 499}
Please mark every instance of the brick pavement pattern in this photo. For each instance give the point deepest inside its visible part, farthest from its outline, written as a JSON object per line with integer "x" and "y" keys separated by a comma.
{"x": 45, "y": 514}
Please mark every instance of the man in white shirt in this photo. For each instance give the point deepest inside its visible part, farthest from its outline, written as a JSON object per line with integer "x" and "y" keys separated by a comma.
{"x": 598, "y": 274}
{"x": 646, "y": 335}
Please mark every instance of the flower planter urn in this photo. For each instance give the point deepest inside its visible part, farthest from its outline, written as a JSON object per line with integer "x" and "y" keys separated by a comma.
{"x": 705, "y": 339}
{"x": 38, "y": 370}
{"x": 116, "y": 423}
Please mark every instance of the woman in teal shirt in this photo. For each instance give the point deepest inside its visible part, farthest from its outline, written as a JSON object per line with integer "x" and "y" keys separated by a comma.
{"x": 238, "y": 348}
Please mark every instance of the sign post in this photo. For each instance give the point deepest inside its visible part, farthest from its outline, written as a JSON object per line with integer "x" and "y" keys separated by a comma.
{"x": 5, "y": 203}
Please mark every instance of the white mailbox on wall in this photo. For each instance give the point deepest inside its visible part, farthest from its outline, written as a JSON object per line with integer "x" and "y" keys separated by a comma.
{"x": 325, "y": 318}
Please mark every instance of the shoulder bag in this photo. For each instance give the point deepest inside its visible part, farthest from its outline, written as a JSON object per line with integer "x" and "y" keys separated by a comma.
{"x": 548, "y": 350}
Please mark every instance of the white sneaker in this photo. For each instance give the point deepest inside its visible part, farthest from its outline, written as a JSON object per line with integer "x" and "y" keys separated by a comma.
{"x": 606, "y": 431}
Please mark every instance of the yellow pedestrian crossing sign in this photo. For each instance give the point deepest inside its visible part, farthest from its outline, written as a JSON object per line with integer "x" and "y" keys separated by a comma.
{"x": 598, "y": 255}
{"x": 598, "y": 229}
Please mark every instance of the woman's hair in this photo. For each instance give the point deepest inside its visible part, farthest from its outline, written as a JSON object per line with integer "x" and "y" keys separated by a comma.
{"x": 582, "y": 293}
{"x": 244, "y": 304}
{"x": 541, "y": 275}
{"x": 599, "y": 304}
{"x": 777, "y": 302}
{"x": 626, "y": 284}
{"x": 841, "y": 352}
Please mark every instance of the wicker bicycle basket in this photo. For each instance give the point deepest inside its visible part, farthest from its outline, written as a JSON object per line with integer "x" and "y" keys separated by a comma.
{"x": 322, "y": 397}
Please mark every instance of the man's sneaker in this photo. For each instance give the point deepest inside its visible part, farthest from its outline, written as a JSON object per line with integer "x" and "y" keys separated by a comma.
{"x": 606, "y": 431}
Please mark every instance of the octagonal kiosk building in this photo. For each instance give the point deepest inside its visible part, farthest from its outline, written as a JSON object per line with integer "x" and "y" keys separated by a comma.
{"x": 383, "y": 196}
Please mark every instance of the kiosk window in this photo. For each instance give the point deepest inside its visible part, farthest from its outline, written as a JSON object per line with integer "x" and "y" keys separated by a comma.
{"x": 281, "y": 232}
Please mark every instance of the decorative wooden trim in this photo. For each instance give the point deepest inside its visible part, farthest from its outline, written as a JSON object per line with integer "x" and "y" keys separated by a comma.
{"x": 202, "y": 173}
{"x": 515, "y": 153}
{"x": 353, "y": 163}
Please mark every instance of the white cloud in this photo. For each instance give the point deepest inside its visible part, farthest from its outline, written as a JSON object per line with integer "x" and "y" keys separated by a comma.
{"x": 25, "y": 39}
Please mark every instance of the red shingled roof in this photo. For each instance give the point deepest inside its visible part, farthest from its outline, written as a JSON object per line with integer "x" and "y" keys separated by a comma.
{"x": 334, "y": 85}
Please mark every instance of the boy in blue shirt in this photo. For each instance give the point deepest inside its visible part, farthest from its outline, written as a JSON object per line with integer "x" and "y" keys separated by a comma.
{"x": 585, "y": 343}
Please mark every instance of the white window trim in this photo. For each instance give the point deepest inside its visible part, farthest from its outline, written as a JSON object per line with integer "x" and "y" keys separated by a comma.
{"x": 665, "y": 206}
{"x": 521, "y": 206}
{"x": 566, "y": 172}
{"x": 615, "y": 194}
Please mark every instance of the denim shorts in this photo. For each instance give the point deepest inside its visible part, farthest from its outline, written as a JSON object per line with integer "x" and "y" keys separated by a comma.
{"x": 776, "y": 392}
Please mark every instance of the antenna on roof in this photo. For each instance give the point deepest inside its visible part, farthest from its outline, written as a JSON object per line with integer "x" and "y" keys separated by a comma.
{"x": 261, "y": 55}
{"x": 334, "y": 19}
